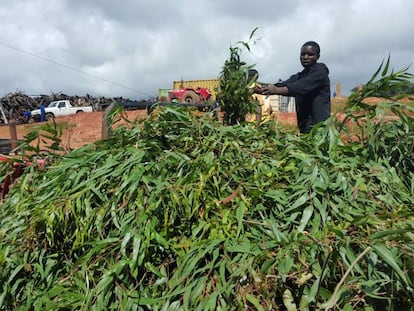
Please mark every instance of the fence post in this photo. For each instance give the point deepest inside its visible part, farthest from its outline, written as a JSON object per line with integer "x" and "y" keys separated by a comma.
{"x": 13, "y": 130}
{"x": 106, "y": 127}
{"x": 13, "y": 135}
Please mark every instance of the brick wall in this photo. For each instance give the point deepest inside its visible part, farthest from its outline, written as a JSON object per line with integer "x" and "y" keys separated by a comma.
{"x": 285, "y": 118}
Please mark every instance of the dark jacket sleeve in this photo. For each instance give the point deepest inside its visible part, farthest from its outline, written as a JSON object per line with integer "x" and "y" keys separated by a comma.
{"x": 291, "y": 79}
{"x": 310, "y": 81}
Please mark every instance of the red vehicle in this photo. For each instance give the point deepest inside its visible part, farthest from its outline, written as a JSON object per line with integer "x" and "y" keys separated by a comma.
{"x": 190, "y": 95}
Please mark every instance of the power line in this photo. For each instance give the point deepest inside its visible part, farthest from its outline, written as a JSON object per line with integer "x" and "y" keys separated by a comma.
{"x": 72, "y": 68}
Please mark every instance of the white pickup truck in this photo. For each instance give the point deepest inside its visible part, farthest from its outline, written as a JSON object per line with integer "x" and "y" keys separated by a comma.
{"x": 60, "y": 108}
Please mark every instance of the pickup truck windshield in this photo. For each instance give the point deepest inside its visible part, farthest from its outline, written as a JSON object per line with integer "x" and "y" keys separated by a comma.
{"x": 52, "y": 104}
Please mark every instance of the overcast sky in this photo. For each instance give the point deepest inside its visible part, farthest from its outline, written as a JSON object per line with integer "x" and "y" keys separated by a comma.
{"x": 132, "y": 48}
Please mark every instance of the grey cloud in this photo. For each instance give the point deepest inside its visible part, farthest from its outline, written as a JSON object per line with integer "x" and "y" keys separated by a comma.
{"x": 132, "y": 48}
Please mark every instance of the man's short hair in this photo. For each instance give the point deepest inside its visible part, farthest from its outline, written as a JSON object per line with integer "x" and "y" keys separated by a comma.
{"x": 314, "y": 44}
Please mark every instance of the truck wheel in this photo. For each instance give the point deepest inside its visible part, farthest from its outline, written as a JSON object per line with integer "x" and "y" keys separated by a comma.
{"x": 190, "y": 97}
{"x": 49, "y": 116}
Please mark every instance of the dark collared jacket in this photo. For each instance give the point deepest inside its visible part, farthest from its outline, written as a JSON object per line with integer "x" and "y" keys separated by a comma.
{"x": 312, "y": 92}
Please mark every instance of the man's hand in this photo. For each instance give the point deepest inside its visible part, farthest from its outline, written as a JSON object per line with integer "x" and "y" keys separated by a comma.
{"x": 258, "y": 89}
{"x": 270, "y": 90}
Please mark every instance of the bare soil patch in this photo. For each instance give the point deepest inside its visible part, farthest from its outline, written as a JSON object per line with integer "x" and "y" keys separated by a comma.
{"x": 85, "y": 128}
{"x": 79, "y": 129}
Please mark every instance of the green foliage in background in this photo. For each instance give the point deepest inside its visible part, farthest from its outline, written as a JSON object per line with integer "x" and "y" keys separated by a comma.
{"x": 407, "y": 89}
{"x": 234, "y": 96}
{"x": 181, "y": 213}
{"x": 388, "y": 86}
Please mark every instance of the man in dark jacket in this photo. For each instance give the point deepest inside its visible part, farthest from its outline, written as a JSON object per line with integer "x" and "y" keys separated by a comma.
{"x": 310, "y": 87}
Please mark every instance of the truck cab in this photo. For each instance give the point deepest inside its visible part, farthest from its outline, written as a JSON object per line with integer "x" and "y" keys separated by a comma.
{"x": 60, "y": 108}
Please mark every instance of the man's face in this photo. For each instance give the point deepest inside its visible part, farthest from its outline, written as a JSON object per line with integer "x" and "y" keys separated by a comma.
{"x": 308, "y": 55}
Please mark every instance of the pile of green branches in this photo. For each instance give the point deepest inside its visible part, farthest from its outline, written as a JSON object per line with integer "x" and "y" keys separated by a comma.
{"x": 181, "y": 213}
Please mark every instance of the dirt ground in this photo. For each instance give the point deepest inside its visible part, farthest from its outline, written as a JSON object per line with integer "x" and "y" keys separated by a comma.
{"x": 85, "y": 128}
{"x": 79, "y": 129}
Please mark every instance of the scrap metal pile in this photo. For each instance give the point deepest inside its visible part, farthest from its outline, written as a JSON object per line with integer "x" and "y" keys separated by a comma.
{"x": 13, "y": 105}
